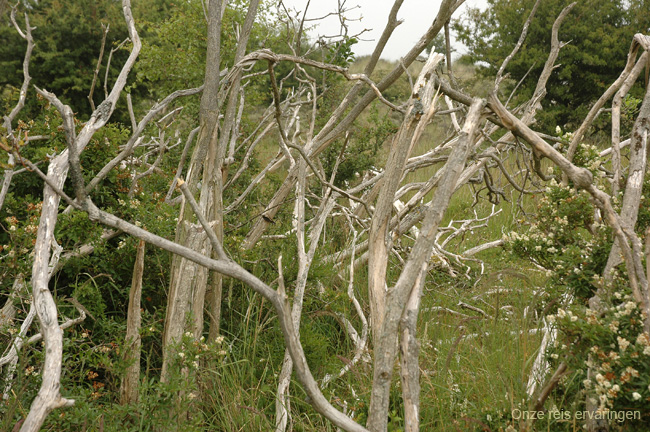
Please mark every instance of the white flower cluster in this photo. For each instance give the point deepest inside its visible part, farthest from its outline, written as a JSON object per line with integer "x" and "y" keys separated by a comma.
{"x": 644, "y": 340}
{"x": 622, "y": 343}
{"x": 191, "y": 349}
{"x": 561, "y": 314}
{"x": 625, "y": 309}
{"x": 30, "y": 370}
{"x": 589, "y": 147}
{"x": 133, "y": 203}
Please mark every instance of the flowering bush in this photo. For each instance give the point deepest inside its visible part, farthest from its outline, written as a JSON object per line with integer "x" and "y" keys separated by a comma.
{"x": 191, "y": 351}
{"x": 607, "y": 349}
{"x": 586, "y": 156}
{"x": 614, "y": 347}
{"x": 565, "y": 240}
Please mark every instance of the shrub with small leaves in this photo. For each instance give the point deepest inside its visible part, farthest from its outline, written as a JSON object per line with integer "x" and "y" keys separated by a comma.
{"x": 613, "y": 346}
{"x": 565, "y": 240}
{"x": 604, "y": 346}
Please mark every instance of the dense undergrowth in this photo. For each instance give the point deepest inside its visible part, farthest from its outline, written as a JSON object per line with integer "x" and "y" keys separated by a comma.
{"x": 480, "y": 322}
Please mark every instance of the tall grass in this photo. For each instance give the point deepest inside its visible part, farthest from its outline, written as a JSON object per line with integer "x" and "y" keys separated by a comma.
{"x": 474, "y": 367}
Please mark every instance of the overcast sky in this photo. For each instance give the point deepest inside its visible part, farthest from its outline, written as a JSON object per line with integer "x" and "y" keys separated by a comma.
{"x": 373, "y": 14}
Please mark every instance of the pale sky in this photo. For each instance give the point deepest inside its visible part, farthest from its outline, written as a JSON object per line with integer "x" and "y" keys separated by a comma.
{"x": 373, "y": 14}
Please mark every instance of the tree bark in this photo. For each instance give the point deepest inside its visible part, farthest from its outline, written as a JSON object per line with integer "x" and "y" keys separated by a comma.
{"x": 396, "y": 299}
{"x": 637, "y": 165}
{"x": 379, "y": 240}
{"x": 409, "y": 358}
{"x": 129, "y": 388}
{"x": 188, "y": 295}
{"x": 188, "y": 282}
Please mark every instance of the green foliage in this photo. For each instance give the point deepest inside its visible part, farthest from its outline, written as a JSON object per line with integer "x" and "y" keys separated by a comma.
{"x": 68, "y": 38}
{"x": 174, "y": 56}
{"x": 233, "y": 381}
{"x": 629, "y": 111}
{"x": 397, "y": 93}
{"x": 229, "y": 376}
{"x": 600, "y": 32}
{"x": 616, "y": 349}
{"x": 610, "y": 341}
{"x": 340, "y": 53}
{"x": 564, "y": 240}
{"x": 360, "y": 153}
{"x": 437, "y": 44}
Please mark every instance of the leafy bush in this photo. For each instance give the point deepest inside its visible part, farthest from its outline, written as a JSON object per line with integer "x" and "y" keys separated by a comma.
{"x": 568, "y": 240}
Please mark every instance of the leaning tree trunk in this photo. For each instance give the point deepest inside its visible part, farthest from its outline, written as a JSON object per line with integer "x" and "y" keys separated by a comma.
{"x": 396, "y": 298}
{"x": 379, "y": 240}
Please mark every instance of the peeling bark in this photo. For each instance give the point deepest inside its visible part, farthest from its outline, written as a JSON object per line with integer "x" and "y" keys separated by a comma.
{"x": 379, "y": 241}
{"x": 129, "y": 389}
{"x": 396, "y": 299}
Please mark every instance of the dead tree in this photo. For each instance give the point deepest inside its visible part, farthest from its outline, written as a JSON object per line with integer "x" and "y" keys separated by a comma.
{"x": 373, "y": 210}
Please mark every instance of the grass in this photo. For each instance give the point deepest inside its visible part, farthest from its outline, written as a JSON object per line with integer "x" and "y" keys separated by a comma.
{"x": 479, "y": 365}
{"x": 473, "y": 367}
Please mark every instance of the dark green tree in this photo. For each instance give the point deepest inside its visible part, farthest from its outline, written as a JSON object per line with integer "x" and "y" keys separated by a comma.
{"x": 438, "y": 44}
{"x": 173, "y": 55}
{"x": 68, "y": 38}
{"x": 599, "y": 31}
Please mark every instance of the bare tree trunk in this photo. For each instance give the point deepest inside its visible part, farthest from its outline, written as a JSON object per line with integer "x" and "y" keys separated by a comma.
{"x": 541, "y": 366}
{"x": 227, "y": 135}
{"x": 20, "y": 287}
{"x": 6, "y": 182}
{"x": 189, "y": 281}
{"x": 637, "y": 166}
{"x": 629, "y": 242}
{"x": 130, "y": 383}
{"x": 224, "y": 265}
{"x": 282, "y": 401}
{"x": 409, "y": 358}
{"x": 305, "y": 259}
{"x": 199, "y": 257}
{"x": 379, "y": 240}
{"x": 631, "y": 199}
{"x": 396, "y": 299}
{"x": 8, "y": 119}
{"x": 616, "y": 119}
{"x": 49, "y": 397}
{"x": 188, "y": 294}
